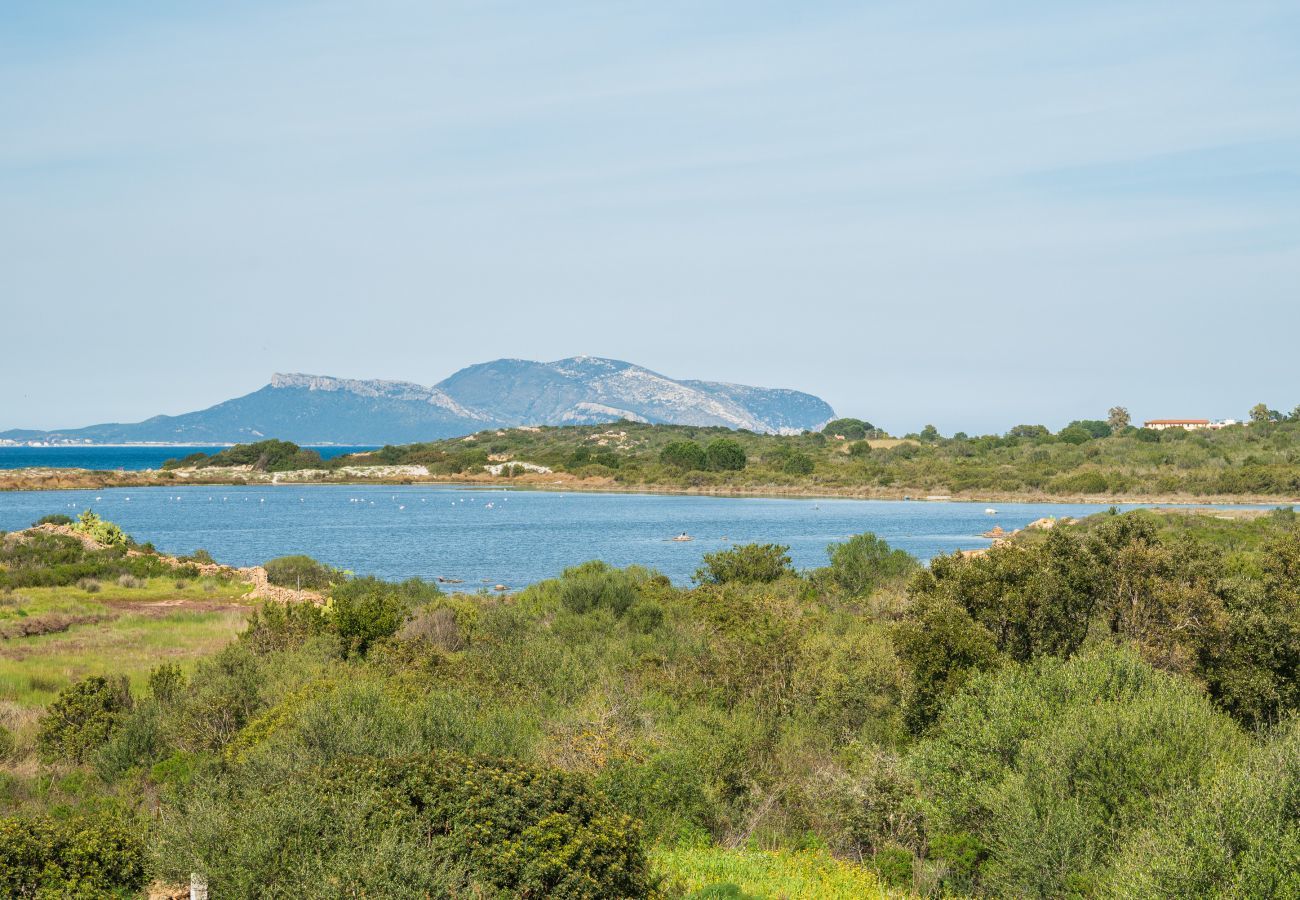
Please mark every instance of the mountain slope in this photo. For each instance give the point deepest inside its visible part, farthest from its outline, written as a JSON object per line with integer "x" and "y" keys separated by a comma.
{"x": 313, "y": 409}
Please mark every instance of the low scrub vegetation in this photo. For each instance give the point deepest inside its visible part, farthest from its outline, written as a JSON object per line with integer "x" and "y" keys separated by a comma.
{"x": 1105, "y": 709}
{"x": 1091, "y": 458}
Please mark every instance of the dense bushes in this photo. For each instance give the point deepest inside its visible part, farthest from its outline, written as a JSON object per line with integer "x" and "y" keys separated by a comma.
{"x": 83, "y": 718}
{"x": 748, "y": 563}
{"x": 41, "y": 857}
{"x": 365, "y": 610}
{"x": 1077, "y": 714}
{"x": 1237, "y": 836}
{"x": 864, "y": 562}
{"x": 439, "y": 825}
{"x": 299, "y": 572}
{"x": 1041, "y": 768}
{"x": 39, "y": 559}
{"x": 263, "y": 456}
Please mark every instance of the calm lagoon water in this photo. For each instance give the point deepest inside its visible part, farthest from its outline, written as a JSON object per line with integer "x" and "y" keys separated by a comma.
{"x": 512, "y": 537}
{"x": 132, "y": 459}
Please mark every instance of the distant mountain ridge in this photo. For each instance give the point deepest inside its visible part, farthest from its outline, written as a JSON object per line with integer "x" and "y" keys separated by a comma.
{"x": 322, "y": 409}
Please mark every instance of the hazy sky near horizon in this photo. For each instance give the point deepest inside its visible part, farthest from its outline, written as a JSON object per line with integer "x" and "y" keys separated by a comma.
{"x": 971, "y": 214}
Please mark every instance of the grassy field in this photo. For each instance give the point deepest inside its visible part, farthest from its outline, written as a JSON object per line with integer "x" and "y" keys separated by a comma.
{"x": 57, "y": 635}
{"x": 722, "y": 874}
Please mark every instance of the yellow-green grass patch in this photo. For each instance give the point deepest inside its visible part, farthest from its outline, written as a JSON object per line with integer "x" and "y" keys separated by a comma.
{"x": 780, "y": 874}
{"x": 116, "y": 630}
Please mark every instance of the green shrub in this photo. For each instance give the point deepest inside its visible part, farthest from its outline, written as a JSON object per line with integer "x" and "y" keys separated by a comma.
{"x": 82, "y": 718}
{"x": 864, "y": 562}
{"x": 747, "y": 563}
{"x": 299, "y": 572}
{"x": 366, "y": 610}
{"x": 437, "y": 825}
{"x": 281, "y": 626}
{"x": 166, "y": 683}
{"x": 684, "y": 455}
{"x": 596, "y": 585}
{"x": 1237, "y": 837}
{"x": 725, "y": 455}
{"x": 53, "y": 519}
{"x": 45, "y": 858}
{"x": 849, "y": 429}
{"x": 224, "y": 693}
{"x": 101, "y": 530}
{"x": 1048, "y": 766}
{"x": 798, "y": 464}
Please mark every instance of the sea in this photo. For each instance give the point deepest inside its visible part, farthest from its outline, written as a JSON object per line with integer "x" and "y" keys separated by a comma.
{"x": 482, "y": 537}
{"x": 131, "y": 458}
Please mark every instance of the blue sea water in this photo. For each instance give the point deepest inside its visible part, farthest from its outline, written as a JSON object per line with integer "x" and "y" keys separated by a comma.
{"x": 511, "y": 537}
{"x": 132, "y": 459}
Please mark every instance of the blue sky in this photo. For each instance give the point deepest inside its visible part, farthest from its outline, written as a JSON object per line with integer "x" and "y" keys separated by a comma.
{"x": 971, "y": 214}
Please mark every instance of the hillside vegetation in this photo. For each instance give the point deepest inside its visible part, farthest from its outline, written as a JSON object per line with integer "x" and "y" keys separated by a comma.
{"x": 1083, "y": 460}
{"x": 1098, "y": 710}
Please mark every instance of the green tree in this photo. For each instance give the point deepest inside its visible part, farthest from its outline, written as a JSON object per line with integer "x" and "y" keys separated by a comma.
{"x": 797, "y": 463}
{"x": 1117, "y": 419}
{"x": 746, "y": 563}
{"x": 82, "y": 718}
{"x": 849, "y": 429}
{"x": 1260, "y": 413}
{"x": 684, "y": 455}
{"x": 725, "y": 455}
{"x": 864, "y": 562}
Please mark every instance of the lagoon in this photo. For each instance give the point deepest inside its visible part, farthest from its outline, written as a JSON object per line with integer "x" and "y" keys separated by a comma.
{"x": 510, "y": 536}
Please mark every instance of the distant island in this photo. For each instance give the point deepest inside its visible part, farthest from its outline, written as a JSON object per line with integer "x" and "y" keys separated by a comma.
{"x": 1088, "y": 460}
{"x": 505, "y": 393}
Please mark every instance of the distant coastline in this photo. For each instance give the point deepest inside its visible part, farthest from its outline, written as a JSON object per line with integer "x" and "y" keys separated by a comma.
{"x": 57, "y": 479}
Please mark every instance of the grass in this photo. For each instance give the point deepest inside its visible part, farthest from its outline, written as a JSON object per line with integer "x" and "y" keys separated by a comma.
{"x": 116, "y": 629}
{"x": 780, "y": 874}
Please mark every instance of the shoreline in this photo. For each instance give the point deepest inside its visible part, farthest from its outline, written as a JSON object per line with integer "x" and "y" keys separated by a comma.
{"x": 59, "y": 479}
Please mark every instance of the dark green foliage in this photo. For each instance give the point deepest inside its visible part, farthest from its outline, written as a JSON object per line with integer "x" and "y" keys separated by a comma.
{"x": 38, "y": 559}
{"x": 595, "y": 585}
{"x": 82, "y": 718}
{"x": 299, "y": 572}
{"x": 223, "y": 696}
{"x": 849, "y": 429}
{"x": 864, "y": 562}
{"x": 798, "y": 464}
{"x": 859, "y": 449}
{"x": 281, "y": 626}
{"x": 685, "y": 455}
{"x": 166, "y": 683}
{"x": 1238, "y": 836}
{"x": 53, "y": 519}
{"x": 942, "y": 647}
{"x": 437, "y": 825}
{"x": 1095, "y": 428}
{"x": 366, "y": 610}
{"x": 44, "y": 858}
{"x": 748, "y": 563}
{"x": 725, "y": 455}
{"x": 1044, "y": 766}
{"x": 1076, "y": 435}
{"x": 263, "y": 456}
